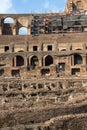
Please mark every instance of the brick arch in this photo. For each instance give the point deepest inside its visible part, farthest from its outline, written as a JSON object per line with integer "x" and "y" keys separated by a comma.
{"x": 18, "y": 60}
{"x": 8, "y": 24}
{"x": 78, "y": 59}
{"x": 9, "y": 19}
{"x": 48, "y": 60}
{"x": 23, "y": 30}
{"x": 33, "y": 61}
{"x": 29, "y": 56}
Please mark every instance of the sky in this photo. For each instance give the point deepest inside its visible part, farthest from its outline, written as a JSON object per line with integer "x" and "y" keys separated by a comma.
{"x": 31, "y": 6}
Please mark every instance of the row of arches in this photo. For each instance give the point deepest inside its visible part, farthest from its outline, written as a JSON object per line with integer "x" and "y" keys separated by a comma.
{"x": 9, "y": 31}
{"x": 6, "y": 25}
{"x": 34, "y": 61}
{"x": 48, "y": 60}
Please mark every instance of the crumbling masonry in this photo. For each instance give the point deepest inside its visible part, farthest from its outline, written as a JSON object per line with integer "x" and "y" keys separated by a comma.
{"x": 52, "y": 43}
{"x": 43, "y": 70}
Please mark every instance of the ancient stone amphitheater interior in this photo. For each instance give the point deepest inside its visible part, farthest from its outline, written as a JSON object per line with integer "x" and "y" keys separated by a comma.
{"x": 43, "y": 69}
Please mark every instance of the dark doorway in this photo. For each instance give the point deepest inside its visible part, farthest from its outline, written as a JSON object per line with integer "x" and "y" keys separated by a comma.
{"x": 7, "y": 30}
{"x": 48, "y": 60}
{"x": 15, "y": 72}
{"x": 35, "y": 48}
{"x": 19, "y": 61}
{"x": 49, "y": 47}
{"x": 77, "y": 59}
{"x": 34, "y": 62}
{"x": 6, "y": 48}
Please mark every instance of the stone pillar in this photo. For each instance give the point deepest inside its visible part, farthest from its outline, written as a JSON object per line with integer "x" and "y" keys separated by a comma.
{"x": 84, "y": 46}
{"x": 29, "y": 30}
{"x": 83, "y": 70}
{"x": 40, "y": 62}
{"x": 84, "y": 59}
{"x": 11, "y": 47}
{"x": 25, "y": 61}
{"x": 22, "y": 86}
{"x": 69, "y": 59}
{"x": 14, "y": 61}
{"x": 43, "y": 61}
{"x": 72, "y": 60}
{"x": 55, "y": 60}
{"x": 38, "y": 98}
{"x": 14, "y": 30}
{"x": 30, "y": 60}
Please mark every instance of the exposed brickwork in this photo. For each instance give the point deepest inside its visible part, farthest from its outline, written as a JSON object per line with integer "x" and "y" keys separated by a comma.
{"x": 43, "y": 72}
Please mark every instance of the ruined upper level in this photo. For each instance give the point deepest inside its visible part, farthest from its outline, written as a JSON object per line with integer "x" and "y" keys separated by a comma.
{"x": 76, "y": 6}
{"x": 35, "y": 24}
{"x": 73, "y": 19}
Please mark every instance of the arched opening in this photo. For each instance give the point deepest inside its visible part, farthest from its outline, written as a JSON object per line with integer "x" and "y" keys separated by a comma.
{"x": 19, "y": 61}
{"x": 7, "y": 28}
{"x": 22, "y": 31}
{"x": 77, "y": 59}
{"x": 6, "y": 48}
{"x": 9, "y": 20}
{"x": 48, "y": 60}
{"x": 34, "y": 62}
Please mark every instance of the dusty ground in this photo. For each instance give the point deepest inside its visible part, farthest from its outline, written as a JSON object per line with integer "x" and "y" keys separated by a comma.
{"x": 48, "y": 105}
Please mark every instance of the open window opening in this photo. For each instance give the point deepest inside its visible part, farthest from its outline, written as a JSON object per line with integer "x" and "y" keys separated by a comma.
{"x": 35, "y": 48}
{"x": 77, "y": 59}
{"x": 34, "y": 62}
{"x": 19, "y": 61}
{"x": 6, "y": 48}
{"x": 9, "y": 20}
{"x": 45, "y": 71}
{"x": 61, "y": 67}
{"x": 48, "y": 60}
{"x": 49, "y": 47}
{"x": 22, "y": 31}
{"x": 75, "y": 71}
{"x": 15, "y": 72}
